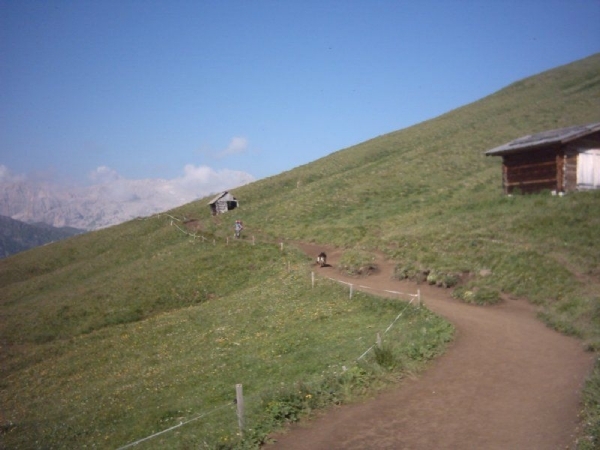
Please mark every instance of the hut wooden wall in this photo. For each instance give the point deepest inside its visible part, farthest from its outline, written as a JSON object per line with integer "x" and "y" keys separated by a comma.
{"x": 533, "y": 171}
{"x": 570, "y": 171}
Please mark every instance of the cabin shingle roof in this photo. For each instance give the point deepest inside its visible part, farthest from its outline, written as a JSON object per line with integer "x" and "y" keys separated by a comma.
{"x": 558, "y": 136}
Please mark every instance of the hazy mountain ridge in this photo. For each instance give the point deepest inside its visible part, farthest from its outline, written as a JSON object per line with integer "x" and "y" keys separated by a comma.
{"x": 88, "y": 208}
{"x": 111, "y": 199}
{"x": 17, "y": 236}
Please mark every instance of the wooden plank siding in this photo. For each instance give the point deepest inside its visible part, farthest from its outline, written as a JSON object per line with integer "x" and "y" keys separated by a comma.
{"x": 532, "y": 171}
{"x": 570, "y": 170}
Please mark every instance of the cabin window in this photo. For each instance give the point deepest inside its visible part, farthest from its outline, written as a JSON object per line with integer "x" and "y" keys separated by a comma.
{"x": 588, "y": 169}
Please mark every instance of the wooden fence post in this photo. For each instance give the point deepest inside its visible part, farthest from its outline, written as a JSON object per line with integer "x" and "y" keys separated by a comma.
{"x": 351, "y": 286}
{"x": 312, "y": 279}
{"x": 239, "y": 396}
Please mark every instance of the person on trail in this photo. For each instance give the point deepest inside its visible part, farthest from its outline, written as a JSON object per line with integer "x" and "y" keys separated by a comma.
{"x": 238, "y": 228}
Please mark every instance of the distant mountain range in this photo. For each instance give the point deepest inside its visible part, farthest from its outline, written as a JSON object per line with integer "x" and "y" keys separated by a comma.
{"x": 87, "y": 208}
{"x": 17, "y": 236}
{"x": 34, "y": 214}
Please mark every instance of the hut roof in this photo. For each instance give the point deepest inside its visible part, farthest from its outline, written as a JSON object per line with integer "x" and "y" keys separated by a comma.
{"x": 532, "y": 141}
{"x": 223, "y": 195}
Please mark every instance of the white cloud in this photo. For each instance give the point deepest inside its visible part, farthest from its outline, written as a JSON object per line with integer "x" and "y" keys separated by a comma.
{"x": 103, "y": 175}
{"x": 200, "y": 181}
{"x": 6, "y": 176}
{"x": 112, "y": 199}
{"x": 196, "y": 182}
{"x": 236, "y": 146}
{"x": 200, "y": 174}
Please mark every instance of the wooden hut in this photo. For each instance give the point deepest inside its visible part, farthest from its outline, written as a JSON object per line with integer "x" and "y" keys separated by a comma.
{"x": 562, "y": 160}
{"x": 222, "y": 203}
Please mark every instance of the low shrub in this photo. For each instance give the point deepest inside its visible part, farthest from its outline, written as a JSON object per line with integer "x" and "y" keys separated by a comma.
{"x": 559, "y": 324}
{"x": 410, "y": 271}
{"x": 384, "y": 356}
{"x": 357, "y": 262}
{"x": 477, "y": 295}
{"x": 416, "y": 273}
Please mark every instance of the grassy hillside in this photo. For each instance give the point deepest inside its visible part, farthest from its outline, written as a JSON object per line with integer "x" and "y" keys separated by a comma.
{"x": 429, "y": 197}
{"x": 115, "y": 335}
{"x": 112, "y": 336}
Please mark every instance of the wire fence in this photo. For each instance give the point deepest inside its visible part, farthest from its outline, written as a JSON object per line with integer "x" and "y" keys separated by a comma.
{"x": 411, "y": 298}
{"x": 174, "y": 427}
{"x": 176, "y": 221}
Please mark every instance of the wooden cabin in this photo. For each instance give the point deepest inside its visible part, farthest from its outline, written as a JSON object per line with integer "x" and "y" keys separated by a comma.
{"x": 222, "y": 203}
{"x": 562, "y": 160}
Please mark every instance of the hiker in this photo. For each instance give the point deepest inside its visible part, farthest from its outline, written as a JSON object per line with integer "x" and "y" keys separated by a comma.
{"x": 239, "y": 226}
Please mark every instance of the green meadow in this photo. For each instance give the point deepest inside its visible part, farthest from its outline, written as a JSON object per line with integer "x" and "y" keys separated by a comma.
{"x": 112, "y": 336}
{"x": 108, "y": 340}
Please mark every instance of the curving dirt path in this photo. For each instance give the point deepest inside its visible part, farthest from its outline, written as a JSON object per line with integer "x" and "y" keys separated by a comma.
{"x": 506, "y": 382}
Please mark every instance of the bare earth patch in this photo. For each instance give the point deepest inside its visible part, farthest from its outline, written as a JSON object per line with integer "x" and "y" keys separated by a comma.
{"x": 506, "y": 382}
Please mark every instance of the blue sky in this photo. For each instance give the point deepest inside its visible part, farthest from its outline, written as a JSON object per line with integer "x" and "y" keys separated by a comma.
{"x": 169, "y": 89}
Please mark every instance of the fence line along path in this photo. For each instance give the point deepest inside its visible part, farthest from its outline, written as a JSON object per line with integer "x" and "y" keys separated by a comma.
{"x": 506, "y": 382}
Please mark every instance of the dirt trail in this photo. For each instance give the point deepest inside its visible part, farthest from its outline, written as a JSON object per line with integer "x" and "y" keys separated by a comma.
{"x": 506, "y": 382}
